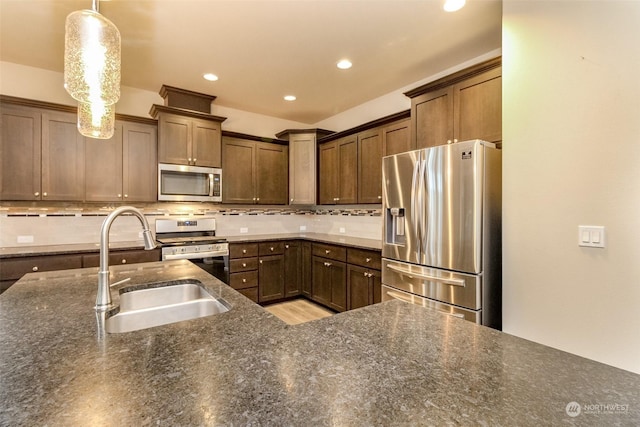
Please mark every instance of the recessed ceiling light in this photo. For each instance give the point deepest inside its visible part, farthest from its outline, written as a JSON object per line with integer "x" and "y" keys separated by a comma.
{"x": 453, "y": 5}
{"x": 210, "y": 77}
{"x": 289, "y": 98}
{"x": 344, "y": 64}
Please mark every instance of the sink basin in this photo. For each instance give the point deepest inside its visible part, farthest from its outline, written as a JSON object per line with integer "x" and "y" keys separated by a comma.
{"x": 155, "y": 304}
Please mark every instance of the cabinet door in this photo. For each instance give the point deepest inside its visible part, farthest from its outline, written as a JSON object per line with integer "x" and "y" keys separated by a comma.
{"x": 302, "y": 169}
{"x": 238, "y": 169}
{"x": 328, "y": 168}
{"x": 306, "y": 258}
{"x": 376, "y": 284}
{"x": 321, "y": 280}
{"x": 20, "y": 137}
{"x": 270, "y": 278}
{"x": 103, "y": 168}
{"x": 359, "y": 289}
{"x": 370, "y": 166}
{"x": 348, "y": 174}
{"x": 432, "y": 118}
{"x": 338, "y": 285}
{"x": 272, "y": 174}
{"x": 478, "y": 107}
{"x": 207, "y": 148}
{"x": 62, "y": 157}
{"x": 139, "y": 162}
{"x": 292, "y": 268}
{"x": 174, "y": 142}
{"x": 396, "y": 138}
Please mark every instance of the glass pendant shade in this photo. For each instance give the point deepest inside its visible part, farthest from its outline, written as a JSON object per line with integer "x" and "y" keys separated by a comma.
{"x": 96, "y": 120}
{"x": 91, "y": 58}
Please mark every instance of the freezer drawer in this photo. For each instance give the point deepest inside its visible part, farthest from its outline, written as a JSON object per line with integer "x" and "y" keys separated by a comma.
{"x": 460, "y": 289}
{"x": 389, "y": 293}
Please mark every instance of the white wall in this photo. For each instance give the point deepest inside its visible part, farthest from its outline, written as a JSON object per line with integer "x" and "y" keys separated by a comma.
{"x": 45, "y": 85}
{"x": 571, "y": 128}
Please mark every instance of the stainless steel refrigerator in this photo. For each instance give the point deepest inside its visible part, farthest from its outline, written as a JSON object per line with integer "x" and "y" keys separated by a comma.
{"x": 442, "y": 230}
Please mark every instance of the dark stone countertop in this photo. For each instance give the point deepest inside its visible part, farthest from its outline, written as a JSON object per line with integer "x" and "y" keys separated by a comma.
{"x": 388, "y": 364}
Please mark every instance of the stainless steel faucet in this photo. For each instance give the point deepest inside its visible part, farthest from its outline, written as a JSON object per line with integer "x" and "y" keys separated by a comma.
{"x": 103, "y": 300}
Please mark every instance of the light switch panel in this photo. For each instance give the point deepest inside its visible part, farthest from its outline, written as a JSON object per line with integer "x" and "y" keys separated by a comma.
{"x": 591, "y": 236}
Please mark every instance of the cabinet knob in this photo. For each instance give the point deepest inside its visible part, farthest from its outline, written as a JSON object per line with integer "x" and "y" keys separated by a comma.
{"x": 194, "y": 160}
{"x": 271, "y": 248}
{"x": 257, "y": 199}
{"x": 327, "y": 264}
{"x": 44, "y": 194}
{"x": 244, "y": 251}
{"x": 286, "y": 246}
{"x": 327, "y": 251}
{"x": 292, "y": 200}
{"x": 126, "y": 195}
{"x": 365, "y": 274}
{"x": 370, "y": 275}
{"x": 244, "y": 264}
{"x": 455, "y": 140}
{"x": 254, "y": 199}
{"x": 189, "y": 159}
{"x": 119, "y": 195}
{"x": 244, "y": 280}
{"x": 448, "y": 141}
{"x": 367, "y": 260}
{"x": 35, "y": 268}
{"x": 260, "y": 261}
{"x": 379, "y": 197}
{"x": 124, "y": 260}
{"x": 37, "y": 193}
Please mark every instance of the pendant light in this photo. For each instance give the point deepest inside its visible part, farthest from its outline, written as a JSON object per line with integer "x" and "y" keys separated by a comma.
{"x": 96, "y": 120}
{"x": 92, "y": 69}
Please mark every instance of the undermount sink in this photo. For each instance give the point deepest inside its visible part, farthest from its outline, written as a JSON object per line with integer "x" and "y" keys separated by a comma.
{"x": 156, "y": 304}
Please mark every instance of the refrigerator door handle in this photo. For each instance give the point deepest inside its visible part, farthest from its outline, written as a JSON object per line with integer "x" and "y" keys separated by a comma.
{"x": 422, "y": 188}
{"x": 453, "y": 282}
{"x": 416, "y": 206}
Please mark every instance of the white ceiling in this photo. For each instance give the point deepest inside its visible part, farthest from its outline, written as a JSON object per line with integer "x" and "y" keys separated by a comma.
{"x": 265, "y": 49}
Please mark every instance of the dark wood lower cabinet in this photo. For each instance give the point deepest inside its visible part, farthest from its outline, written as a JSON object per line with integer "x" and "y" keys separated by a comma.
{"x": 363, "y": 286}
{"x": 292, "y": 268}
{"x": 305, "y": 286}
{"x": 12, "y": 269}
{"x": 328, "y": 285}
{"x": 270, "y": 278}
{"x": 123, "y": 257}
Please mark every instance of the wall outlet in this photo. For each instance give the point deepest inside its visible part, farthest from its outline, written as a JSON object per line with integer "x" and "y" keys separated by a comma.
{"x": 342, "y": 230}
{"x": 25, "y": 239}
{"x": 303, "y": 228}
{"x": 244, "y": 230}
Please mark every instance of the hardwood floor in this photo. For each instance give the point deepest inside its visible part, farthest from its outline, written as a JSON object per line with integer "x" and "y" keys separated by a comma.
{"x": 298, "y": 311}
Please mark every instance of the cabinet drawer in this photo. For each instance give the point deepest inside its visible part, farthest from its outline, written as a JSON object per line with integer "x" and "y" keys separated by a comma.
{"x": 15, "y": 268}
{"x": 247, "y": 279}
{"x": 251, "y": 293}
{"x": 271, "y": 248}
{"x": 243, "y": 250}
{"x": 122, "y": 257}
{"x": 243, "y": 264}
{"x": 337, "y": 253}
{"x": 364, "y": 258}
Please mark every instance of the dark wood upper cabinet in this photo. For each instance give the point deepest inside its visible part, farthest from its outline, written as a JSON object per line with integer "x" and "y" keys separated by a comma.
{"x": 465, "y": 105}
{"x": 103, "y": 167}
{"x": 396, "y": 138}
{"x": 20, "y": 152}
{"x": 139, "y": 162}
{"x": 254, "y": 172}
{"x": 348, "y": 173}
{"x": 206, "y": 146}
{"x": 370, "y": 166}
{"x": 328, "y": 173}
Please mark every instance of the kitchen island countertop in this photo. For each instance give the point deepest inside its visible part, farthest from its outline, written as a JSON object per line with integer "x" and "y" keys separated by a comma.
{"x": 387, "y": 364}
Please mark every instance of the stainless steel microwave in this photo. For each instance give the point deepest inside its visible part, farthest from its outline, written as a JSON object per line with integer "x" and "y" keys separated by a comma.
{"x": 181, "y": 183}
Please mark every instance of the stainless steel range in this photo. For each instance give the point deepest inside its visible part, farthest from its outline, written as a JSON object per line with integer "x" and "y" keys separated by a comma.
{"x": 194, "y": 238}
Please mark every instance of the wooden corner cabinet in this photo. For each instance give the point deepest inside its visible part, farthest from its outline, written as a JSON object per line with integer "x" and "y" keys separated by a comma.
{"x": 466, "y": 105}
{"x": 254, "y": 172}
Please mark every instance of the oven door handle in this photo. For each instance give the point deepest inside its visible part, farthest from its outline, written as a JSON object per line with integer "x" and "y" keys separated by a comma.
{"x": 195, "y": 255}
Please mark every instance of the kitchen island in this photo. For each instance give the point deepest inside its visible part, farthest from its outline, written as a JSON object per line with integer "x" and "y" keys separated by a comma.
{"x": 387, "y": 364}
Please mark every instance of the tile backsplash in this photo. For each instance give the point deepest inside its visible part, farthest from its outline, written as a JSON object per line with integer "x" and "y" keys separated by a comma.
{"x": 51, "y": 227}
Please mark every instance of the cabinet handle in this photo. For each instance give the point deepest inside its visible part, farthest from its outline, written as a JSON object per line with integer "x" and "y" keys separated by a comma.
{"x": 244, "y": 251}
{"x": 244, "y": 280}
{"x": 124, "y": 260}
{"x": 35, "y": 268}
{"x": 367, "y": 260}
{"x": 37, "y": 193}
{"x": 244, "y": 264}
